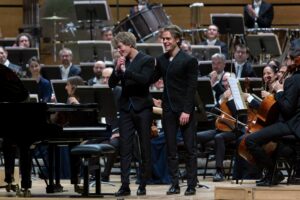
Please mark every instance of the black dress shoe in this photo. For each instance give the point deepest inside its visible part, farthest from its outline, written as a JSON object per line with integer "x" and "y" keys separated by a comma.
{"x": 123, "y": 191}
{"x": 190, "y": 191}
{"x": 269, "y": 181}
{"x": 174, "y": 189}
{"x": 141, "y": 191}
{"x": 104, "y": 179}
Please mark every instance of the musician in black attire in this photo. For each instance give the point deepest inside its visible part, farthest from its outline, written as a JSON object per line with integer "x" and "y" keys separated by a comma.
{"x": 259, "y": 14}
{"x": 179, "y": 73}
{"x": 134, "y": 70}
{"x": 288, "y": 100}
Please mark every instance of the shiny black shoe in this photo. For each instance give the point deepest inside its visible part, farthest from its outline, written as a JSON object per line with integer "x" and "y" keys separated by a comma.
{"x": 174, "y": 189}
{"x": 218, "y": 177}
{"x": 123, "y": 191}
{"x": 269, "y": 181}
{"x": 190, "y": 191}
{"x": 141, "y": 191}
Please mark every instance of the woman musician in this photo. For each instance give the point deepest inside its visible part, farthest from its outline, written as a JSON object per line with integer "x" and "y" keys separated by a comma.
{"x": 288, "y": 101}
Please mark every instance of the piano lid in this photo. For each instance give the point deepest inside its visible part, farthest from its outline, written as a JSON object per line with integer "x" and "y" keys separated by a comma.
{"x": 11, "y": 87}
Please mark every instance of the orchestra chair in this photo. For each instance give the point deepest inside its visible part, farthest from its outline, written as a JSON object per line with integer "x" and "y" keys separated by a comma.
{"x": 87, "y": 152}
{"x": 288, "y": 158}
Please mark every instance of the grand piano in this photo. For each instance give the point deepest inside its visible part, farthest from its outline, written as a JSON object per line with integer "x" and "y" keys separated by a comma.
{"x": 28, "y": 123}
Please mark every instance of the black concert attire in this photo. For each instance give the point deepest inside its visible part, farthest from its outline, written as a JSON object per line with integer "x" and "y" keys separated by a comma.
{"x": 288, "y": 104}
{"x": 180, "y": 82}
{"x": 246, "y": 70}
{"x": 135, "y": 113}
{"x": 264, "y": 19}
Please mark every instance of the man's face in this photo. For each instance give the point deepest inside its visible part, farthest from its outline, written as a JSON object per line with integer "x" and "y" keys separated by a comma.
{"x": 98, "y": 68}
{"x": 169, "y": 42}
{"x": 123, "y": 49}
{"x": 24, "y": 42}
{"x": 217, "y": 65}
{"x": 108, "y": 36}
{"x": 240, "y": 55}
{"x": 212, "y": 32}
{"x": 3, "y": 56}
{"x": 66, "y": 58}
{"x": 105, "y": 76}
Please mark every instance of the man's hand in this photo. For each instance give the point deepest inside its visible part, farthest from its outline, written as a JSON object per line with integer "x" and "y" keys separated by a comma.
{"x": 184, "y": 118}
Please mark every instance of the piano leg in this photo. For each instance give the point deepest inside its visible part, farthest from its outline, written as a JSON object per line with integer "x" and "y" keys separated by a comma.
{"x": 53, "y": 168}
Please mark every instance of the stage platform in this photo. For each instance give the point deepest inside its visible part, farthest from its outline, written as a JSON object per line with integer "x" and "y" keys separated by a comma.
{"x": 222, "y": 190}
{"x": 249, "y": 191}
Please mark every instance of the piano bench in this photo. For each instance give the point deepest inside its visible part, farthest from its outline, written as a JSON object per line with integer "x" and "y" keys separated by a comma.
{"x": 87, "y": 151}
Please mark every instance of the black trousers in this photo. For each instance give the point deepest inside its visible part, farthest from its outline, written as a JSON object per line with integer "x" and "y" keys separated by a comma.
{"x": 220, "y": 138}
{"x": 255, "y": 142}
{"x": 132, "y": 122}
{"x": 171, "y": 126}
{"x": 10, "y": 147}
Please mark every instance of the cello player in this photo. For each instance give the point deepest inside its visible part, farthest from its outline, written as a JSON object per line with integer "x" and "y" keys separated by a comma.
{"x": 288, "y": 102}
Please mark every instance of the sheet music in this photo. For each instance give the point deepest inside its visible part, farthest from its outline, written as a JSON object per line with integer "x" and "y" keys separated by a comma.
{"x": 235, "y": 88}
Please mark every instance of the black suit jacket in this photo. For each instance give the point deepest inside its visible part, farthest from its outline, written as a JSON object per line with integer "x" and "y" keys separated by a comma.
{"x": 247, "y": 70}
{"x": 289, "y": 103}
{"x": 180, "y": 81}
{"x": 223, "y": 46}
{"x": 135, "y": 83}
{"x": 265, "y": 16}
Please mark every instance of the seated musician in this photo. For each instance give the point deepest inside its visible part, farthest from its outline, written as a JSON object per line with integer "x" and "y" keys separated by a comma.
{"x": 4, "y": 61}
{"x": 221, "y": 137}
{"x": 212, "y": 39}
{"x": 270, "y": 75}
{"x": 286, "y": 96}
{"x": 243, "y": 67}
{"x": 218, "y": 64}
{"x": 44, "y": 85}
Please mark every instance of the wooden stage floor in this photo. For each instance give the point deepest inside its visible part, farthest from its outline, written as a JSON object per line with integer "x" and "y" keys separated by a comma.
{"x": 223, "y": 190}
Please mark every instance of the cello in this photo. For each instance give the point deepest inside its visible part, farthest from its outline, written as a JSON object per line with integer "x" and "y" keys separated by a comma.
{"x": 266, "y": 115}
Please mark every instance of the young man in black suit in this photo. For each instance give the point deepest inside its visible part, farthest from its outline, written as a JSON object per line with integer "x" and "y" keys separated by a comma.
{"x": 179, "y": 73}
{"x": 259, "y": 14}
{"x": 287, "y": 98}
{"x": 134, "y": 70}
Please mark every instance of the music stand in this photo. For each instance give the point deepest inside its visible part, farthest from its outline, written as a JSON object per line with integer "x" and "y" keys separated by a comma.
{"x": 58, "y": 88}
{"x": 205, "y": 67}
{"x": 204, "y": 52}
{"x": 266, "y": 43}
{"x": 21, "y": 56}
{"x": 87, "y": 71}
{"x": 228, "y": 23}
{"x": 104, "y": 50}
{"x": 4, "y": 42}
{"x": 205, "y": 91}
{"x": 100, "y": 94}
{"x": 92, "y": 11}
{"x": 30, "y": 84}
{"x": 152, "y": 49}
{"x": 50, "y": 72}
